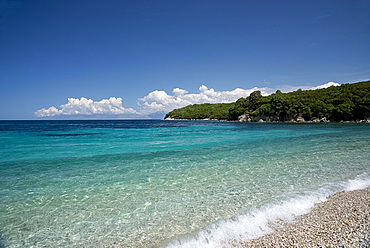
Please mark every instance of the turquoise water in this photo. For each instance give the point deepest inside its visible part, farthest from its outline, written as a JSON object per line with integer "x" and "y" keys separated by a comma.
{"x": 168, "y": 183}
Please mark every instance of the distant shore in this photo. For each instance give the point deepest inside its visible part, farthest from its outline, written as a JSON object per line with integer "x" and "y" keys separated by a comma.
{"x": 267, "y": 121}
{"x": 341, "y": 221}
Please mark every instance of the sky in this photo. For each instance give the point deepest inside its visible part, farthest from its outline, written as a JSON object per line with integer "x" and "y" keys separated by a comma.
{"x": 91, "y": 59}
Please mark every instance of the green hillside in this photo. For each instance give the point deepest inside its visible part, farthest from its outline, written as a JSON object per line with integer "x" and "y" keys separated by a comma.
{"x": 219, "y": 111}
{"x": 348, "y": 102}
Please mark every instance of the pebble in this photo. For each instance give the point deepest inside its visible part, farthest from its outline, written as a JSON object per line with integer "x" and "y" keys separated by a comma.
{"x": 341, "y": 221}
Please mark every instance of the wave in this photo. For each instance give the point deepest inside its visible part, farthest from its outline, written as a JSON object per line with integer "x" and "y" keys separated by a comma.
{"x": 255, "y": 222}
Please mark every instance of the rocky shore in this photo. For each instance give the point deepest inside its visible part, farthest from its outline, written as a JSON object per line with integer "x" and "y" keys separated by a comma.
{"x": 251, "y": 118}
{"x": 341, "y": 221}
{"x": 247, "y": 118}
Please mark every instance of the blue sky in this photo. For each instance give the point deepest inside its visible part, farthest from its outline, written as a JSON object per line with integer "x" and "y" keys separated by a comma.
{"x": 130, "y": 50}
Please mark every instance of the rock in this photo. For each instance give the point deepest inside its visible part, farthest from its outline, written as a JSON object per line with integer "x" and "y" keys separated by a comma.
{"x": 244, "y": 118}
{"x": 314, "y": 119}
{"x": 300, "y": 119}
{"x": 323, "y": 119}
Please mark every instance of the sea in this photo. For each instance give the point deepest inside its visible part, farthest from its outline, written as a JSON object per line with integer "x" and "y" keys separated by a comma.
{"x": 157, "y": 183}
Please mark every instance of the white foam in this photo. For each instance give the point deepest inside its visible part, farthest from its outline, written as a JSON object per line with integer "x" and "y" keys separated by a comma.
{"x": 255, "y": 222}
{"x": 360, "y": 182}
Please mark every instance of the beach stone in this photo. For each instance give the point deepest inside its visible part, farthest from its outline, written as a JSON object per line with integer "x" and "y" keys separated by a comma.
{"x": 341, "y": 221}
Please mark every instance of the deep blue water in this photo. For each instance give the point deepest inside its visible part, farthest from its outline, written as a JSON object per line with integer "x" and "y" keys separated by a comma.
{"x": 146, "y": 183}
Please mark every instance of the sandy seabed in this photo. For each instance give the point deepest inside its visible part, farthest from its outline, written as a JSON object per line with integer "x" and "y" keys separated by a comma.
{"x": 341, "y": 221}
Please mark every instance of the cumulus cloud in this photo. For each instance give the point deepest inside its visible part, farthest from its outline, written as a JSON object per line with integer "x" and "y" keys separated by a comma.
{"x": 323, "y": 86}
{"x": 179, "y": 92}
{"x": 84, "y": 106}
{"x": 287, "y": 89}
{"x": 157, "y": 102}
{"x": 161, "y": 101}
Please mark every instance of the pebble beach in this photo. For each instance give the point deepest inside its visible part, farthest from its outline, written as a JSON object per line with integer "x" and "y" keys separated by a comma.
{"x": 341, "y": 221}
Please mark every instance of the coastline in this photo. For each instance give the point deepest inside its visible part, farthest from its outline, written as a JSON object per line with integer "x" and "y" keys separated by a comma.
{"x": 269, "y": 121}
{"x": 341, "y": 221}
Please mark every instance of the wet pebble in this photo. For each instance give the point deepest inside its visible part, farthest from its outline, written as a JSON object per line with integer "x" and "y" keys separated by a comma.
{"x": 341, "y": 221}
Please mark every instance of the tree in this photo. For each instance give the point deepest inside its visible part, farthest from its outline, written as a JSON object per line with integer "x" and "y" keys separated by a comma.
{"x": 254, "y": 100}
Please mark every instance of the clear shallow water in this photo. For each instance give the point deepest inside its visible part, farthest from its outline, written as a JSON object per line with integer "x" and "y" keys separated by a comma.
{"x": 167, "y": 183}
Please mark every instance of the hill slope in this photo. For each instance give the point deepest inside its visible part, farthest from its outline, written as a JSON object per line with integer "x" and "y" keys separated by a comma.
{"x": 347, "y": 102}
{"x": 219, "y": 111}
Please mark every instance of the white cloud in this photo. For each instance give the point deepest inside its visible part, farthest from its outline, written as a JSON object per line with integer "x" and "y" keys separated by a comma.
{"x": 287, "y": 89}
{"x": 161, "y": 101}
{"x": 84, "y": 106}
{"x": 179, "y": 92}
{"x": 158, "y": 101}
{"x": 323, "y": 86}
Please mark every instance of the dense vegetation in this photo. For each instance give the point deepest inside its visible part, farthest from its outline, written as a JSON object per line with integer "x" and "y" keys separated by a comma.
{"x": 219, "y": 111}
{"x": 346, "y": 102}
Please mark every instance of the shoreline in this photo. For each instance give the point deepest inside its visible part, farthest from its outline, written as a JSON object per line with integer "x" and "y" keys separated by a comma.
{"x": 264, "y": 121}
{"x": 341, "y": 221}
